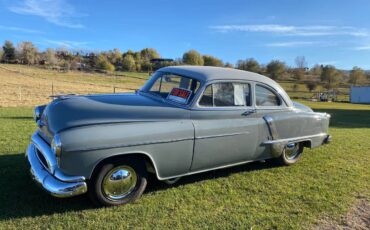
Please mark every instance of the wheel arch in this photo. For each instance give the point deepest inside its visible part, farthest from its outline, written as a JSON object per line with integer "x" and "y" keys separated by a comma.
{"x": 147, "y": 158}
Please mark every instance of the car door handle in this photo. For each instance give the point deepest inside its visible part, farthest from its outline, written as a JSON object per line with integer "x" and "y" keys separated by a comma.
{"x": 248, "y": 112}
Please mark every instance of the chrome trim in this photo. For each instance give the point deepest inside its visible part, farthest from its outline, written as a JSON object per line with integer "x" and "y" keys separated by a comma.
{"x": 271, "y": 125}
{"x": 277, "y": 146}
{"x": 56, "y": 145}
{"x": 222, "y": 135}
{"x": 131, "y": 145}
{"x": 293, "y": 139}
{"x": 119, "y": 183}
{"x": 45, "y": 150}
{"x": 48, "y": 182}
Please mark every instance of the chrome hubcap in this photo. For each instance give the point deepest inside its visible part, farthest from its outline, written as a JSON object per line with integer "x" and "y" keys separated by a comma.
{"x": 291, "y": 151}
{"x": 119, "y": 182}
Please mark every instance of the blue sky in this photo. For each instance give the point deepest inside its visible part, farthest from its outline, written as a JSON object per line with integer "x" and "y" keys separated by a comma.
{"x": 328, "y": 32}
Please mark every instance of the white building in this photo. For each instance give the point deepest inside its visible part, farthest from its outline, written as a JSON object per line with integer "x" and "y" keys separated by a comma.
{"x": 360, "y": 94}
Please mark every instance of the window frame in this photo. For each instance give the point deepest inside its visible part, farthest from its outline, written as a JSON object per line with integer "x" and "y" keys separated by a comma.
{"x": 145, "y": 90}
{"x": 197, "y": 106}
{"x": 273, "y": 90}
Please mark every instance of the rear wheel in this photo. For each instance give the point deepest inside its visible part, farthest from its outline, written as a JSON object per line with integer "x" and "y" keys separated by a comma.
{"x": 118, "y": 183}
{"x": 292, "y": 152}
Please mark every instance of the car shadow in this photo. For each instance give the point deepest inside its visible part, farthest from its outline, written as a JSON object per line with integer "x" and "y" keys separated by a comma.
{"x": 21, "y": 197}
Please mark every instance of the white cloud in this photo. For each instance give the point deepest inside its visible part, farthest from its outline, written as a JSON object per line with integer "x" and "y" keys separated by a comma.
{"x": 292, "y": 44}
{"x": 66, "y": 43}
{"x": 58, "y": 12}
{"x": 367, "y": 47}
{"x": 313, "y": 30}
{"x": 12, "y": 28}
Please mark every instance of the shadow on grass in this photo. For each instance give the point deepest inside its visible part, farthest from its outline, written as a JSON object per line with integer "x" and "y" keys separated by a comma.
{"x": 18, "y": 118}
{"x": 21, "y": 197}
{"x": 348, "y": 118}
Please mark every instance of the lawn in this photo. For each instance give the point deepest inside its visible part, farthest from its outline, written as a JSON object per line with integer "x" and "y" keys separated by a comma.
{"x": 325, "y": 183}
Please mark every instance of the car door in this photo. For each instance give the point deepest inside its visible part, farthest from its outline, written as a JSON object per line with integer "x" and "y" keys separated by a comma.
{"x": 226, "y": 128}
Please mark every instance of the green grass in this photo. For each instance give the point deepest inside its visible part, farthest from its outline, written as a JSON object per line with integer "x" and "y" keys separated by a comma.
{"x": 325, "y": 182}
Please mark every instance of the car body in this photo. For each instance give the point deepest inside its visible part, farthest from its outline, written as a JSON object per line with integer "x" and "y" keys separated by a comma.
{"x": 184, "y": 120}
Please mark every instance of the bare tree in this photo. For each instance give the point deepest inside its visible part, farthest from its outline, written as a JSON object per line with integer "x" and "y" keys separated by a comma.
{"x": 300, "y": 69}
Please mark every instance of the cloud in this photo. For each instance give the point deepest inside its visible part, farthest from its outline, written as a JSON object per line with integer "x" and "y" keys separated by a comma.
{"x": 58, "y": 12}
{"x": 292, "y": 44}
{"x": 12, "y": 28}
{"x": 67, "y": 44}
{"x": 313, "y": 30}
{"x": 367, "y": 47}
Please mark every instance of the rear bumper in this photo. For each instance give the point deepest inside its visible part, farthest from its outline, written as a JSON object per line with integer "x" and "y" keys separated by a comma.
{"x": 57, "y": 184}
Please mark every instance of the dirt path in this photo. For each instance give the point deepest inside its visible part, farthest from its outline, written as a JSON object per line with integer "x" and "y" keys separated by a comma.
{"x": 357, "y": 218}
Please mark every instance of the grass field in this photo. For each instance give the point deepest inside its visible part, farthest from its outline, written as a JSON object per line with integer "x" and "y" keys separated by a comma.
{"x": 325, "y": 182}
{"x": 29, "y": 86}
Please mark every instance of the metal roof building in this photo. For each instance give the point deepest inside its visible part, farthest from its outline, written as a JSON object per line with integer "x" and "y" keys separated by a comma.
{"x": 360, "y": 94}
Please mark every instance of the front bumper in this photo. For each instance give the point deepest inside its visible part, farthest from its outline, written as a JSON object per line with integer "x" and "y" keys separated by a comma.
{"x": 55, "y": 182}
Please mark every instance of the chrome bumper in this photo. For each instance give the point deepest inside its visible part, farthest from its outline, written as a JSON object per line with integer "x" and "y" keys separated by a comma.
{"x": 56, "y": 183}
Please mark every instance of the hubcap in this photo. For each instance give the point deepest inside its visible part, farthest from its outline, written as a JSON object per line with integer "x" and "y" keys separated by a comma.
{"x": 119, "y": 182}
{"x": 291, "y": 151}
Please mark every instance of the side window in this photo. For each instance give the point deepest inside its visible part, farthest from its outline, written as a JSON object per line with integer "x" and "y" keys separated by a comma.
{"x": 266, "y": 97}
{"x": 226, "y": 94}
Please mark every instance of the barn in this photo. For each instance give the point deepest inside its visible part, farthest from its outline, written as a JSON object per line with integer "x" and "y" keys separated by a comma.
{"x": 360, "y": 94}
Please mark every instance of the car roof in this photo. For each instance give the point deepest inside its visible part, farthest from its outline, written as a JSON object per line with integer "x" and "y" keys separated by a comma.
{"x": 210, "y": 73}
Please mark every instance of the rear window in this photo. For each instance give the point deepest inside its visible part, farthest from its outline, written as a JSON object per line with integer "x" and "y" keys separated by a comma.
{"x": 266, "y": 97}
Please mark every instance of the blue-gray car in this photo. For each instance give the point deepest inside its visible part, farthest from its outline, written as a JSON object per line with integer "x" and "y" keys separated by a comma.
{"x": 184, "y": 120}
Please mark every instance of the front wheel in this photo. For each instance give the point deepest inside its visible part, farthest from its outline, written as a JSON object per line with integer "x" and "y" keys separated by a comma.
{"x": 118, "y": 183}
{"x": 292, "y": 152}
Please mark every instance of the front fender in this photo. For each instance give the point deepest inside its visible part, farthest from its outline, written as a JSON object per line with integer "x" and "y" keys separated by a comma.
{"x": 169, "y": 144}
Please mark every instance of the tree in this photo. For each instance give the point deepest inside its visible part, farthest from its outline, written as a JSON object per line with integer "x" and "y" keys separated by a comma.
{"x": 9, "y": 52}
{"x": 115, "y": 57}
{"x": 146, "y": 55}
{"x": 300, "y": 69}
{"x": 50, "y": 57}
{"x": 357, "y": 76}
{"x": 212, "y": 61}
{"x": 330, "y": 75}
{"x": 192, "y": 57}
{"x": 229, "y": 65}
{"x": 103, "y": 63}
{"x": 27, "y": 53}
{"x": 1, "y": 54}
{"x": 128, "y": 63}
{"x": 311, "y": 85}
{"x": 275, "y": 69}
{"x": 249, "y": 64}
{"x": 316, "y": 70}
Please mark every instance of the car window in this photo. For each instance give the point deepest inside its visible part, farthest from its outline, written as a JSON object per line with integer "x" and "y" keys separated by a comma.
{"x": 164, "y": 84}
{"x": 266, "y": 97}
{"x": 226, "y": 94}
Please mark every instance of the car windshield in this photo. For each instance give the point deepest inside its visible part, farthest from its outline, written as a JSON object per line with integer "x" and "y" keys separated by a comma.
{"x": 172, "y": 87}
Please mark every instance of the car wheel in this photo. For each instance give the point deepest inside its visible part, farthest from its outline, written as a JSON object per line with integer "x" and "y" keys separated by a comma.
{"x": 292, "y": 152}
{"x": 118, "y": 183}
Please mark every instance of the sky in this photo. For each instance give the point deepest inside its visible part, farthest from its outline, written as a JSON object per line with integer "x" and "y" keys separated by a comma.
{"x": 335, "y": 32}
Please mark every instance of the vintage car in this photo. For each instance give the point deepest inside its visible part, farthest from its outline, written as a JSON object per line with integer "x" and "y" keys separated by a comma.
{"x": 184, "y": 120}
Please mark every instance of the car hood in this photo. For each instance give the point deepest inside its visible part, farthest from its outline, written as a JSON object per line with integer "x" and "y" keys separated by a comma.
{"x": 72, "y": 111}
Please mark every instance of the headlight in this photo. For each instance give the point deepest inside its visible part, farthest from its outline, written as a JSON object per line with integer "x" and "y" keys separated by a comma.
{"x": 56, "y": 147}
{"x": 37, "y": 113}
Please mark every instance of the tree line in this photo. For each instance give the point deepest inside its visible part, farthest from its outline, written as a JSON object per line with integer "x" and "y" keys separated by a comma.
{"x": 148, "y": 59}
